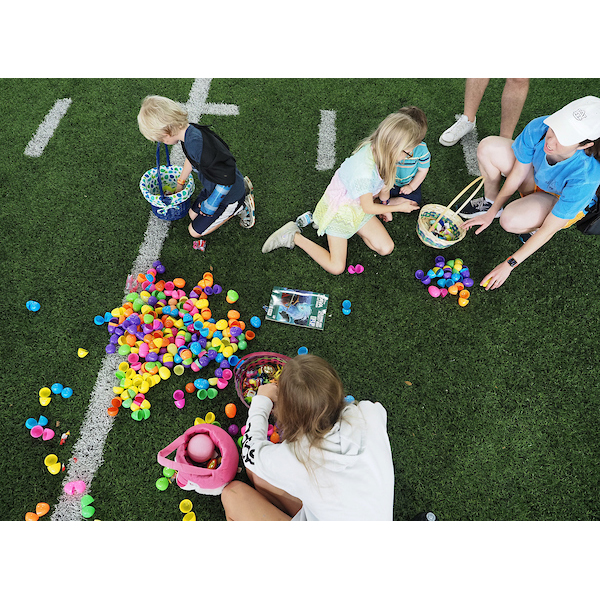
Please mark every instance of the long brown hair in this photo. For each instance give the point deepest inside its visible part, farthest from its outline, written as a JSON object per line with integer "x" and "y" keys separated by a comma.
{"x": 310, "y": 401}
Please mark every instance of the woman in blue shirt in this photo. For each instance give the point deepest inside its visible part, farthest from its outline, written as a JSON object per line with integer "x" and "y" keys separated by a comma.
{"x": 554, "y": 165}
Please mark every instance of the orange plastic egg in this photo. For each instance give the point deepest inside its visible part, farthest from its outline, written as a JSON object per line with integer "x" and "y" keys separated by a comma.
{"x": 230, "y": 410}
{"x": 463, "y": 301}
{"x": 464, "y": 293}
{"x": 42, "y": 508}
{"x": 275, "y": 437}
{"x": 30, "y": 516}
{"x": 179, "y": 282}
{"x": 190, "y": 388}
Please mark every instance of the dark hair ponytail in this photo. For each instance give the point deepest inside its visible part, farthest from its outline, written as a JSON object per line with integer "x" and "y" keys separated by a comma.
{"x": 593, "y": 151}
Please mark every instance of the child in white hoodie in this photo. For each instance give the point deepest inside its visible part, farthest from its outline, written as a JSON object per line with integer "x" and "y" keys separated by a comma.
{"x": 335, "y": 460}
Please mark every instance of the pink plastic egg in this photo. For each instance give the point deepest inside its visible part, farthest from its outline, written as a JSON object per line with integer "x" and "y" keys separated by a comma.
{"x": 434, "y": 291}
{"x": 200, "y": 448}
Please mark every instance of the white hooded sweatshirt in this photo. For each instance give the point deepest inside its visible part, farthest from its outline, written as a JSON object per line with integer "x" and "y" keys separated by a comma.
{"x": 352, "y": 476}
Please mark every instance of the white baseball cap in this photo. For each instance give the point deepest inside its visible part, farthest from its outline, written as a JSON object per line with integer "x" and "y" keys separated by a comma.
{"x": 577, "y": 121}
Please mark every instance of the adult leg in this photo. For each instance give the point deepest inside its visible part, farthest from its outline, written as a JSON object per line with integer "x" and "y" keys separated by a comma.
{"x": 376, "y": 237}
{"x": 474, "y": 90}
{"x": 513, "y": 99}
{"x": 528, "y": 213}
{"x": 496, "y": 158}
{"x": 332, "y": 260}
{"x": 243, "y": 503}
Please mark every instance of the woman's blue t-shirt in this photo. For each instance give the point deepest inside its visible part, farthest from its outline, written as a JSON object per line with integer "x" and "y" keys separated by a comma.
{"x": 575, "y": 180}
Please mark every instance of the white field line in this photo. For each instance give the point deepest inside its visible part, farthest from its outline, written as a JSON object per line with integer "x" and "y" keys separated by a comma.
{"x": 469, "y": 144}
{"x": 47, "y": 127}
{"x": 89, "y": 447}
{"x": 326, "y": 147}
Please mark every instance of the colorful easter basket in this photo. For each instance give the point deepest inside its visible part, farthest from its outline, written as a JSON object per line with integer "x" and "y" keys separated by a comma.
{"x": 251, "y": 366}
{"x": 155, "y": 182}
{"x": 201, "y": 479}
{"x": 431, "y": 214}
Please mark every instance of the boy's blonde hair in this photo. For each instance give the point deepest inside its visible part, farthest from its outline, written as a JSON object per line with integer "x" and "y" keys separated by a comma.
{"x": 310, "y": 402}
{"x": 160, "y": 116}
{"x": 397, "y": 132}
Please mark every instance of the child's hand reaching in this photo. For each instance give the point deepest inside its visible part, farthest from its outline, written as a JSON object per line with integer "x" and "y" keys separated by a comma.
{"x": 407, "y": 205}
{"x": 270, "y": 390}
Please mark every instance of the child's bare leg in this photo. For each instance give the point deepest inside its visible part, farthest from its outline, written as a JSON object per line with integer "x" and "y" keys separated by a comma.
{"x": 376, "y": 237}
{"x": 280, "y": 498}
{"x": 332, "y": 260}
{"x": 243, "y": 503}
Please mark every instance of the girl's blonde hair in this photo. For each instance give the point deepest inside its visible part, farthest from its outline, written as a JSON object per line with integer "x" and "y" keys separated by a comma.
{"x": 399, "y": 131}
{"x": 160, "y": 116}
{"x": 310, "y": 401}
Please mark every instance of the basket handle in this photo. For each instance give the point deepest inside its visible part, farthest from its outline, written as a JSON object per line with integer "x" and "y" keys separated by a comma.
{"x": 162, "y": 195}
{"x": 479, "y": 179}
{"x": 171, "y": 464}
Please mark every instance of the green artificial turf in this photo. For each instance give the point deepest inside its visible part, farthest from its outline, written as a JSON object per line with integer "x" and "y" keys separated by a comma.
{"x": 492, "y": 408}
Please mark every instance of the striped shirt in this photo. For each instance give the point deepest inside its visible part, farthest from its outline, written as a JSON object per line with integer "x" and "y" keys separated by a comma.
{"x": 407, "y": 168}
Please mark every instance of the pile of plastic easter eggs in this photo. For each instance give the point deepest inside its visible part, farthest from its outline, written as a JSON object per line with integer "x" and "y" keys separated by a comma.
{"x": 162, "y": 329}
{"x": 445, "y": 278}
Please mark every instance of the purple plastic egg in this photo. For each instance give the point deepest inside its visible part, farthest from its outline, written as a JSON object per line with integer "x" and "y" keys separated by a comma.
{"x": 419, "y": 274}
{"x": 467, "y": 282}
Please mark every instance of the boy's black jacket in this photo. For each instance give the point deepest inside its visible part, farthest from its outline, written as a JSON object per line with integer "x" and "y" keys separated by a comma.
{"x": 217, "y": 162}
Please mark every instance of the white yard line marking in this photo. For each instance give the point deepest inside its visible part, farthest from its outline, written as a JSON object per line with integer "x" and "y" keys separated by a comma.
{"x": 469, "y": 144}
{"x": 89, "y": 447}
{"x": 326, "y": 147}
{"x": 46, "y": 130}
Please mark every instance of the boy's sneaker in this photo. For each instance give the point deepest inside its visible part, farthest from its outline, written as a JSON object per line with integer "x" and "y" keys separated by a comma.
{"x": 477, "y": 207}
{"x": 282, "y": 238}
{"x": 305, "y": 219}
{"x": 457, "y": 131}
{"x": 247, "y": 216}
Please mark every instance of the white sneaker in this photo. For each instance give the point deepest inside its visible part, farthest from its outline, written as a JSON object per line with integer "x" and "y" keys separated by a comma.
{"x": 282, "y": 238}
{"x": 457, "y": 131}
{"x": 247, "y": 216}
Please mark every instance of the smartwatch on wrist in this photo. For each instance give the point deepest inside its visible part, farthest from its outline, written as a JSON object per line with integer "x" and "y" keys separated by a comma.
{"x": 512, "y": 262}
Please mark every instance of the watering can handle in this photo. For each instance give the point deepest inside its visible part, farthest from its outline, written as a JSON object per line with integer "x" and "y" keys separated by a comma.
{"x": 480, "y": 180}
